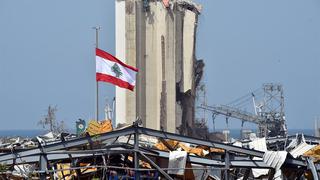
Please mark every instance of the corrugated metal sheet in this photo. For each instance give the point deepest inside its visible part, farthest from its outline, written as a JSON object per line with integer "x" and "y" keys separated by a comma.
{"x": 258, "y": 144}
{"x": 275, "y": 159}
{"x": 237, "y": 143}
{"x": 301, "y": 149}
{"x": 259, "y": 172}
{"x": 177, "y": 159}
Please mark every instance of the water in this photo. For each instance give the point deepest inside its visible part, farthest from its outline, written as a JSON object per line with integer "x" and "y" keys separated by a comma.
{"x": 22, "y": 133}
{"x": 309, "y": 132}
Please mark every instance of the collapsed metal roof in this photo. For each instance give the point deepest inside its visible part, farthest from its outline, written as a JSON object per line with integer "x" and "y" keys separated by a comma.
{"x": 133, "y": 141}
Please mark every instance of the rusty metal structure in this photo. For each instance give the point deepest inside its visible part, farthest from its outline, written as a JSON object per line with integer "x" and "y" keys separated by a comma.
{"x": 268, "y": 112}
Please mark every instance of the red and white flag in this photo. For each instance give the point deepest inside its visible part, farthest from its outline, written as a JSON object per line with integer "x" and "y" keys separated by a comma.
{"x": 112, "y": 70}
{"x": 166, "y": 3}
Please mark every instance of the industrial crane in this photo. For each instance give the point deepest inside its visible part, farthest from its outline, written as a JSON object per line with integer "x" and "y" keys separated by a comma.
{"x": 268, "y": 114}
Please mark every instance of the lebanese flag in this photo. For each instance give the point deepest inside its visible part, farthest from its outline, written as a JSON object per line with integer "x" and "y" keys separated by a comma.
{"x": 166, "y": 3}
{"x": 112, "y": 70}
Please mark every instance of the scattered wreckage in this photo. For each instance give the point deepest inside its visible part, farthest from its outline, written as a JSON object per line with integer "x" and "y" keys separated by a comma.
{"x": 141, "y": 153}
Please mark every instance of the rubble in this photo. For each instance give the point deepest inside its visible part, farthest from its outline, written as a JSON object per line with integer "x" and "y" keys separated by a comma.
{"x": 137, "y": 152}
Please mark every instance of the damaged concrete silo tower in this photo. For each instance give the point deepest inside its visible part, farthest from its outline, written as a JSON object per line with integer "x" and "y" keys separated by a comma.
{"x": 158, "y": 37}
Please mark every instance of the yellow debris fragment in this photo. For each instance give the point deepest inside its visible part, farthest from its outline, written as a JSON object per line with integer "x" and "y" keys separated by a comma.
{"x": 199, "y": 151}
{"x": 98, "y": 127}
{"x": 314, "y": 153}
{"x": 142, "y": 164}
{"x": 65, "y": 173}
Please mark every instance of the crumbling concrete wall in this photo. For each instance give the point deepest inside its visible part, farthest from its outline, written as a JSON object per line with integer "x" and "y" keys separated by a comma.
{"x": 186, "y": 26}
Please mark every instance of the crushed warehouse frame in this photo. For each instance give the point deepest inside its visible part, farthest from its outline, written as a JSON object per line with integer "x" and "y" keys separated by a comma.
{"x": 98, "y": 152}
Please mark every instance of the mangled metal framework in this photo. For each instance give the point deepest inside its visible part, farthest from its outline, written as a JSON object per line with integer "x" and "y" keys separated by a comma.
{"x": 268, "y": 113}
{"x": 234, "y": 159}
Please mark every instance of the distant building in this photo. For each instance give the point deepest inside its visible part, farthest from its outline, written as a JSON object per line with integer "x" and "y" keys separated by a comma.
{"x": 158, "y": 37}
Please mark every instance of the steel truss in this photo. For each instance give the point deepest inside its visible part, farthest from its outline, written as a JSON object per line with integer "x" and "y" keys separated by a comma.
{"x": 233, "y": 157}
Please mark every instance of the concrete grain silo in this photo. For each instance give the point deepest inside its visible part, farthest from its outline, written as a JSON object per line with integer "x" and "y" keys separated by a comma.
{"x": 158, "y": 37}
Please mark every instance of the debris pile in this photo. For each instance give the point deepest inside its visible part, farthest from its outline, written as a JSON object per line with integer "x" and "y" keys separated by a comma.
{"x": 137, "y": 152}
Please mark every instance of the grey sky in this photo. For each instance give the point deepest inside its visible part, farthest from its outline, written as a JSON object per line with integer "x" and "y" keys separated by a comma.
{"x": 47, "y": 57}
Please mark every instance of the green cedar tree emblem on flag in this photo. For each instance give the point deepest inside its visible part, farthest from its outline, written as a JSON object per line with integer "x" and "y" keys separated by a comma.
{"x": 116, "y": 69}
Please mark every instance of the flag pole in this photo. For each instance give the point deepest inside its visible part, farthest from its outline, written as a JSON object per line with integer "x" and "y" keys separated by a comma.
{"x": 97, "y": 28}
